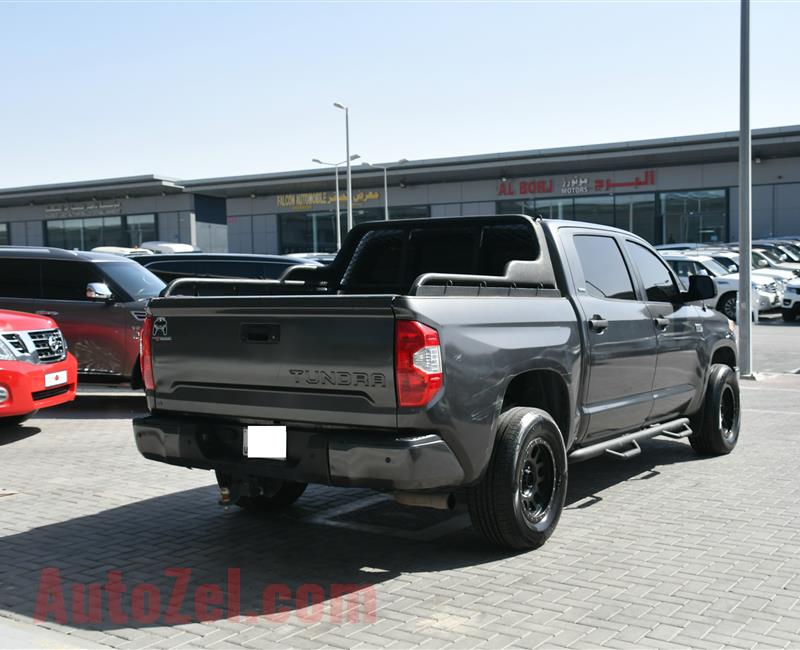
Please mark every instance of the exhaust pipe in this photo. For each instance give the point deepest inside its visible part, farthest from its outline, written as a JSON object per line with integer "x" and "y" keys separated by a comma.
{"x": 439, "y": 501}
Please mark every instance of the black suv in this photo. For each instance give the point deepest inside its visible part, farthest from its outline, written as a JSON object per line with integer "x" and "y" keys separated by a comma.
{"x": 97, "y": 300}
{"x": 220, "y": 265}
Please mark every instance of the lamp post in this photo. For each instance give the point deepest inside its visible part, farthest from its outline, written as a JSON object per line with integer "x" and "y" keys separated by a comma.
{"x": 402, "y": 161}
{"x": 385, "y": 190}
{"x": 355, "y": 156}
{"x": 745, "y": 225}
{"x": 349, "y": 175}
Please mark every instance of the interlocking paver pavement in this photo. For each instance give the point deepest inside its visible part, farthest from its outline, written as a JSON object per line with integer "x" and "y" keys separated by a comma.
{"x": 665, "y": 550}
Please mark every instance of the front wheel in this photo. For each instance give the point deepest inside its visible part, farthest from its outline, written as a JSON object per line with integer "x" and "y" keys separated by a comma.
{"x": 519, "y": 501}
{"x": 788, "y": 316}
{"x": 716, "y": 425}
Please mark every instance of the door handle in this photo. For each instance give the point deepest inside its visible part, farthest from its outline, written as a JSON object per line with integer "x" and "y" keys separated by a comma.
{"x": 598, "y": 323}
{"x": 47, "y": 313}
{"x": 661, "y": 323}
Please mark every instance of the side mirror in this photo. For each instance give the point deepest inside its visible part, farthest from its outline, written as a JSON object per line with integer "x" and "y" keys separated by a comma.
{"x": 701, "y": 287}
{"x": 98, "y": 291}
{"x": 762, "y": 264}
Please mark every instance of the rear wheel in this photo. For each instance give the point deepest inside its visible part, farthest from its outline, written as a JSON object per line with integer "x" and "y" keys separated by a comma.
{"x": 518, "y": 502}
{"x": 727, "y": 305}
{"x": 716, "y": 425}
{"x": 14, "y": 420}
{"x": 265, "y": 494}
{"x": 788, "y": 315}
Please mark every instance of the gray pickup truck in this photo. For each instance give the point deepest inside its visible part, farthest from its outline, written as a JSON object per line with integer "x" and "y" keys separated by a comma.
{"x": 448, "y": 361}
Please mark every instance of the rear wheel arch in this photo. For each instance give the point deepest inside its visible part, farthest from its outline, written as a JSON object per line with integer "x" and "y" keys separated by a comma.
{"x": 545, "y": 389}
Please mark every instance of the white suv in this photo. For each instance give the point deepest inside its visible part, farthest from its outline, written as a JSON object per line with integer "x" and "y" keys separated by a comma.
{"x": 791, "y": 301}
{"x": 766, "y": 293}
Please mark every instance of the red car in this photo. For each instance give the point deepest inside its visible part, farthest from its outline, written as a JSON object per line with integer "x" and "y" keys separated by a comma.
{"x": 36, "y": 371}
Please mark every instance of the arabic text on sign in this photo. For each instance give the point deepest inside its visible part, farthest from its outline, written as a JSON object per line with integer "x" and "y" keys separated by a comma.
{"x": 312, "y": 199}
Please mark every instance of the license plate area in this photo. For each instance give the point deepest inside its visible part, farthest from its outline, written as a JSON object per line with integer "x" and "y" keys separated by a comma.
{"x": 55, "y": 378}
{"x": 262, "y": 441}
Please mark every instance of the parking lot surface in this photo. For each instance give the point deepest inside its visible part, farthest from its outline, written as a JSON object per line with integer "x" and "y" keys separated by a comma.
{"x": 664, "y": 550}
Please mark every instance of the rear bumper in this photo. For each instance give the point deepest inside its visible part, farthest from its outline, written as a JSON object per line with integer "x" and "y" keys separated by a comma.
{"x": 380, "y": 460}
{"x": 25, "y": 386}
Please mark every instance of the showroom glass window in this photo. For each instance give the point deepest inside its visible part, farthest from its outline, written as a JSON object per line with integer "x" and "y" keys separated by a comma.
{"x": 90, "y": 232}
{"x": 307, "y": 232}
{"x": 4, "y": 234}
{"x": 522, "y": 206}
{"x": 694, "y": 216}
{"x": 637, "y": 214}
{"x": 140, "y": 228}
{"x": 604, "y": 269}
{"x": 408, "y": 212}
{"x": 595, "y": 209}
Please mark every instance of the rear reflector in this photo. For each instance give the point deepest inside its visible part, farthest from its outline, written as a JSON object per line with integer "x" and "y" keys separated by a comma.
{"x": 418, "y": 363}
{"x": 146, "y": 352}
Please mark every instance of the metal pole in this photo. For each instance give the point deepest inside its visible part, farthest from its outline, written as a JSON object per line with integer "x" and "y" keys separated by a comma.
{"x": 385, "y": 196}
{"x": 349, "y": 175}
{"x": 745, "y": 225}
{"x": 338, "y": 214}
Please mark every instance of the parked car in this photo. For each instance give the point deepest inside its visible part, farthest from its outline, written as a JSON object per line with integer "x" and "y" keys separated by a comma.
{"x": 168, "y": 247}
{"x": 446, "y": 359}
{"x": 766, "y": 259}
{"x": 730, "y": 260}
{"x": 791, "y": 301}
{"x": 218, "y": 265}
{"x": 766, "y": 295}
{"x": 36, "y": 370}
{"x": 97, "y": 299}
{"x": 782, "y": 252}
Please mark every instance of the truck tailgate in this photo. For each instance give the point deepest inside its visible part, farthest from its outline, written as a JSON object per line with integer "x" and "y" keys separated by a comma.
{"x": 308, "y": 359}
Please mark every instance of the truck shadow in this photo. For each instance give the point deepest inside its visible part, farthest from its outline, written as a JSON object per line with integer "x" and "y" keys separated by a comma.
{"x": 108, "y": 407}
{"x": 283, "y": 561}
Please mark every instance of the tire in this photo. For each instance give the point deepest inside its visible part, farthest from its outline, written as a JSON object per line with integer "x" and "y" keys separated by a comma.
{"x": 788, "y": 316}
{"x": 519, "y": 501}
{"x": 716, "y": 425}
{"x": 727, "y": 305}
{"x": 14, "y": 420}
{"x": 276, "y": 495}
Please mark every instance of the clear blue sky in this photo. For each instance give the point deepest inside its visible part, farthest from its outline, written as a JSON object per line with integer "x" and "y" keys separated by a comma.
{"x": 190, "y": 90}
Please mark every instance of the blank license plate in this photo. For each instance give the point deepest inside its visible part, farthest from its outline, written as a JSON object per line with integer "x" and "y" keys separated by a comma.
{"x": 55, "y": 378}
{"x": 265, "y": 442}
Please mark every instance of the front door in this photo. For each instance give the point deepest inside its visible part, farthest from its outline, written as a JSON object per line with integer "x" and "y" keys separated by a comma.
{"x": 95, "y": 330}
{"x": 620, "y": 337}
{"x": 678, "y": 325}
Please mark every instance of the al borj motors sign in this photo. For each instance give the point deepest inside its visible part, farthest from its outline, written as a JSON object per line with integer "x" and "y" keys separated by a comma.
{"x": 576, "y": 184}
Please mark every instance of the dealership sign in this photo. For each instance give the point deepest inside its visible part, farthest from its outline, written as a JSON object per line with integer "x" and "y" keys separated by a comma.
{"x": 88, "y": 209}
{"x": 571, "y": 185}
{"x": 308, "y": 200}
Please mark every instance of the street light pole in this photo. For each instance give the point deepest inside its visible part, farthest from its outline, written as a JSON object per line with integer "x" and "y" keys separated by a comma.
{"x": 745, "y": 223}
{"x": 385, "y": 190}
{"x": 336, "y": 166}
{"x": 349, "y": 174}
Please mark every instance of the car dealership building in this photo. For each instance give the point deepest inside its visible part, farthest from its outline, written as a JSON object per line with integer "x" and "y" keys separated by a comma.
{"x": 681, "y": 189}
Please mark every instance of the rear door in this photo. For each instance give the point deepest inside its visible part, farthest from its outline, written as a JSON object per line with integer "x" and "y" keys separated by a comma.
{"x": 95, "y": 330}
{"x": 311, "y": 359}
{"x": 679, "y": 330}
{"x": 620, "y": 334}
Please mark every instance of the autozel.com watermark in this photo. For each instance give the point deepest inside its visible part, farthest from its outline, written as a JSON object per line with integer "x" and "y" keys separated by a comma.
{"x": 116, "y": 602}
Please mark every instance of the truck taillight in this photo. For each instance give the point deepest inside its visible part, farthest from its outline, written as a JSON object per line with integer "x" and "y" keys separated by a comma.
{"x": 418, "y": 363}
{"x": 146, "y": 354}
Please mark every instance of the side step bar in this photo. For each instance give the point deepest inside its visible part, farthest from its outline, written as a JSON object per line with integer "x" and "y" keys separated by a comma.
{"x": 616, "y": 446}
